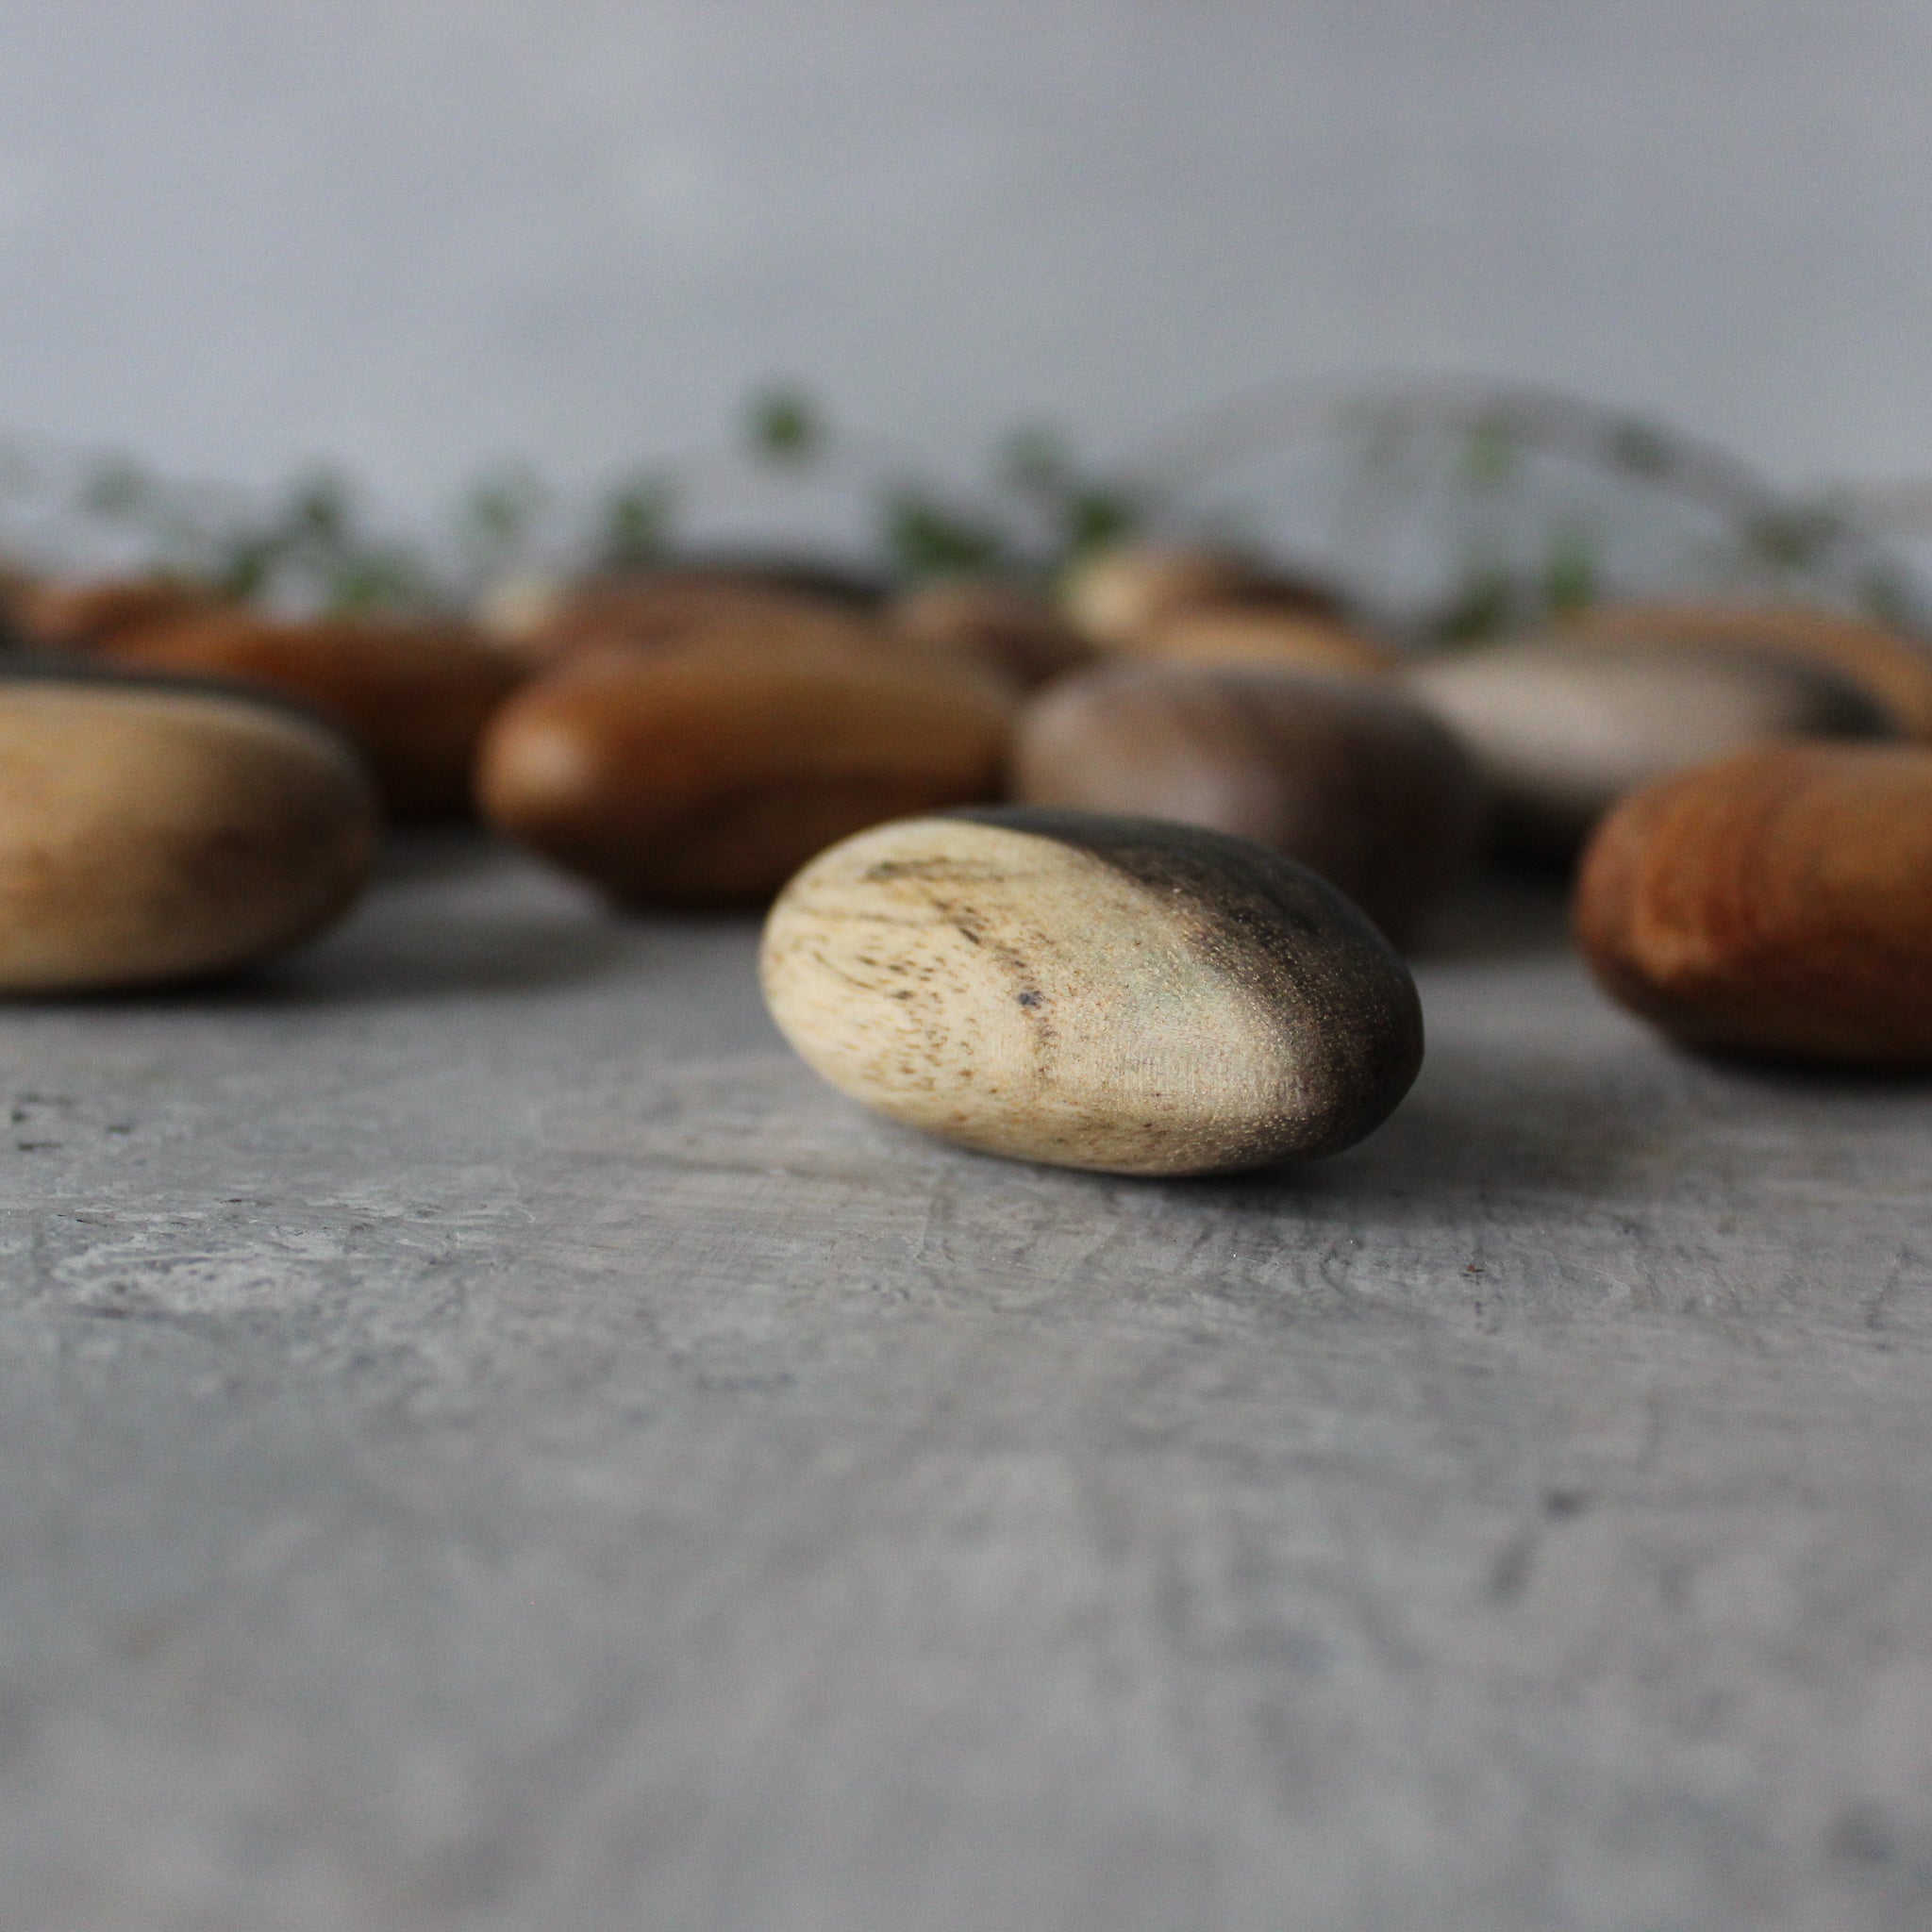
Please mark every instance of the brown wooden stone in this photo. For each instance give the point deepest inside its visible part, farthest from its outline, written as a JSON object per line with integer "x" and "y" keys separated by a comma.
{"x": 415, "y": 696}
{"x": 1351, "y": 778}
{"x": 1778, "y": 902}
{"x": 156, "y": 833}
{"x": 707, "y": 776}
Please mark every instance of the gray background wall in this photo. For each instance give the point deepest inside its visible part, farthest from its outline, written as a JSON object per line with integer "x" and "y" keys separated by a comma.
{"x": 416, "y": 236}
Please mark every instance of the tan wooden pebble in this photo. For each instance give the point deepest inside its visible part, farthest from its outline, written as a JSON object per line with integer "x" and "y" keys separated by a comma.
{"x": 414, "y": 696}
{"x": 1263, "y": 635}
{"x": 1118, "y": 994}
{"x": 1891, "y": 668}
{"x": 1562, "y": 731}
{"x": 706, "y": 777}
{"x": 1354, "y": 779}
{"x": 999, "y": 626}
{"x": 1777, "y": 903}
{"x": 158, "y": 833}
{"x": 1119, "y": 594}
{"x": 653, "y": 610}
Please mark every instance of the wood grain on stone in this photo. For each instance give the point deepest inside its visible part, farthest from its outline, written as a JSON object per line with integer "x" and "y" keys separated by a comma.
{"x": 706, "y": 777}
{"x": 1352, "y": 780}
{"x": 157, "y": 834}
{"x": 413, "y": 695}
{"x": 1560, "y": 731}
{"x": 1092, "y": 990}
{"x": 1778, "y": 902}
{"x": 999, "y": 626}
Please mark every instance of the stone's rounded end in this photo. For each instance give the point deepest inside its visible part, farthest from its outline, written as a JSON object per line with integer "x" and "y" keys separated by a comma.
{"x": 1089, "y": 991}
{"x": 1776, "y": 904}
{"x": 1891, "y": 668}
{"x": 1562, "y": 729}
{"x": 151, "y": 834}
{"x": 707, "y": 777}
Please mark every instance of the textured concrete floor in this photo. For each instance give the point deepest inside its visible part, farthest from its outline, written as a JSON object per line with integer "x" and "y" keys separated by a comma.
{"x": 486, "y": 1441}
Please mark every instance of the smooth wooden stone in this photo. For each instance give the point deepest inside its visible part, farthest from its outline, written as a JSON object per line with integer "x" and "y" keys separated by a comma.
{"x": 414, "y": 696}
{"x": 1352, "y": 779}
{"x": 654, "y": 610}
{"x": 156, "y": 833}
{"x": 1262, "y": 635}
{"x": 1777, "y": 903}
{"x": 1890, "y": 667}
{"x": 999, "y": 626}
{"x": 1119, "y": 594}
{"x": 1560, "y": 732}
{"x": 61, "y": 615}
{"x": 1118, "y": 994}
{"x": 707, "y": 776}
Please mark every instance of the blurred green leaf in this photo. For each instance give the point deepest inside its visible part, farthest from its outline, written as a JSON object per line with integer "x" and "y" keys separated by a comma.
{"x": 1570, "y": 571}
{"x": 1038, "y": 462}
{"x": 117, "y": 489}
{"x": 501, "y": 509}
{"x": 1485, "y": 602}
{"x": 926, "y": 538}
{"x": 1095, "y": 517}
{"x": 784, "y": 425}
{"x": 634, "y": 522}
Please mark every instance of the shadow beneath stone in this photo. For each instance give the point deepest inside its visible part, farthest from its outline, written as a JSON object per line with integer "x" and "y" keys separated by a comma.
{"x": 1805, "y": 1079}
{"x": 408, "y": 955}
{"x": 1481, "y": 1126}
{"x": 1499, "y": 915}
{"x": 417, "y": 854}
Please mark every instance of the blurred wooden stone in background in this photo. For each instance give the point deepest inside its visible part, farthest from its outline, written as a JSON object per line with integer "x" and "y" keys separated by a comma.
{"x": 414, "y": 696}
{"x": 706, "y": 776}
{"x": 1562, "y": 729}
{"x": 159, "y": 832}
{"x": 1351, "y": 778}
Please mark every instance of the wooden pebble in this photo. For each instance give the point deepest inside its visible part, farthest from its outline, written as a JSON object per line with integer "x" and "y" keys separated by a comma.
{"x": 414, "y": 696}
{"x": 1894, "y": 670}
{"x": 1562, "y": 731}
{"x": 158, "y": 833}
{"x": 1120, "y": 594}
{"x": 1775, "y": 903}
{"x": 1001, "y": 627}
{"x": 706, "y": 777}
{"x": 1118, "y": 994}
{"x": 64, "y": 615}
{"x": 661, "y": 608}
{"x": 1352, "y": 779}
{"x": 1262, "y": 635}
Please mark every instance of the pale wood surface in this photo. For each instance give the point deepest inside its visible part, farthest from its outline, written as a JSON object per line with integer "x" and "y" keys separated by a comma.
{"x": 489, "y": 1440}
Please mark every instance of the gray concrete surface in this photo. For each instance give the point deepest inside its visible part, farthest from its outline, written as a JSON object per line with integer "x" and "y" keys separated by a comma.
{"x": 486, "y": 1441}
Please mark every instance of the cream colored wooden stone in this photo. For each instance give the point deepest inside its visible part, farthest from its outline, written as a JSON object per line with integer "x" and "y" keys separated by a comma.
{"x": 150, "y": 834}
{"x": 1093, "y": 992}
{"x": 1562, "y": 731}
